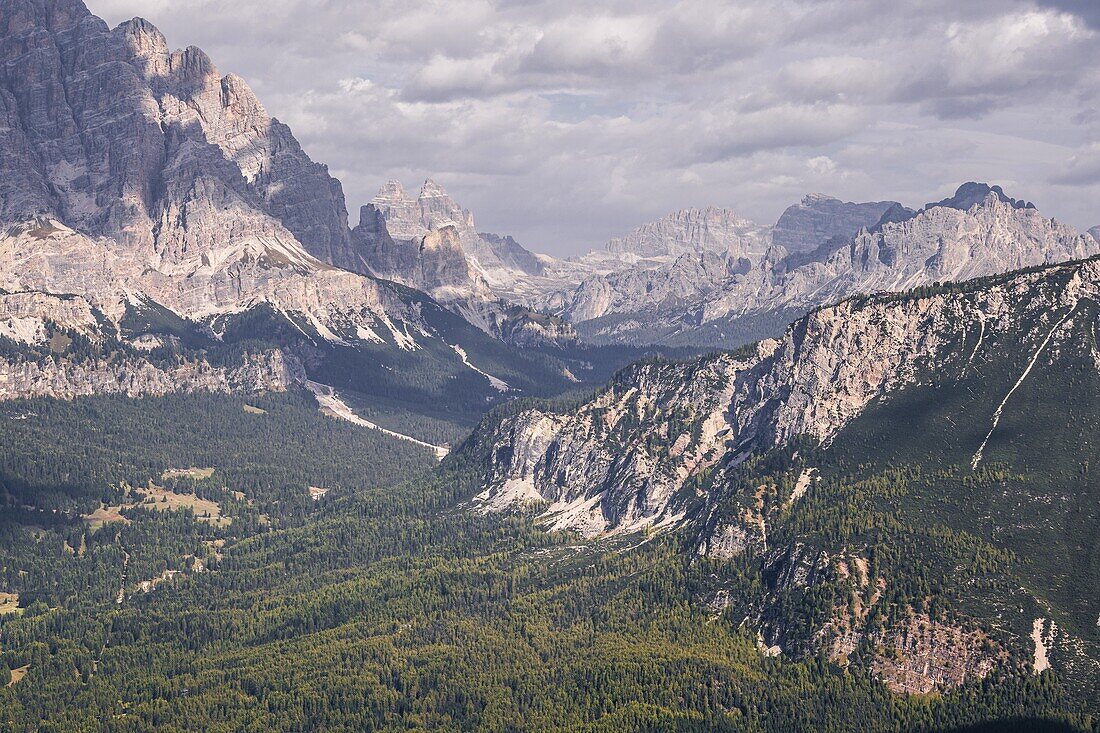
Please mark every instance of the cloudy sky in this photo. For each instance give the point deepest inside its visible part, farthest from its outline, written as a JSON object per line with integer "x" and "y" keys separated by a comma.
{"x": 565, "y": 122}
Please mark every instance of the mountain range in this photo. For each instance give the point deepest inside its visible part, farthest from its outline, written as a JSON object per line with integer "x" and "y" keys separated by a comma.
{"x": 262, "y": 469}
{"x": 150, "y": 202}
{"x": 708, "y": 277}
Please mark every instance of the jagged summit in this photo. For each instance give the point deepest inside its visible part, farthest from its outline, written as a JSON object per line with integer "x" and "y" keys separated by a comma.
{"x": 431, "y": 189}
{"x": 693, "y": 230}
{"x": 966, "y": 196}
{"x": 470, "y": 256}
{"x": 980, "y": 231}
{"x": 973, "y": 194}
{"x": 819, "y": 218}
{"x": 895, "y": 214}
{"x": 113, "y": 133}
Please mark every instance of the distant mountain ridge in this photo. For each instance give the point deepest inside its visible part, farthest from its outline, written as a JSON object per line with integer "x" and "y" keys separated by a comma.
{"x": 708, "y": 277}
{"x": 693, "y": 231}
{"x": 979, "y": 231}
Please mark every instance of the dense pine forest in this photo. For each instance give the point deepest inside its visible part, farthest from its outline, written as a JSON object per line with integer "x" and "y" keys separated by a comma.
{"x": 384, "y": 603}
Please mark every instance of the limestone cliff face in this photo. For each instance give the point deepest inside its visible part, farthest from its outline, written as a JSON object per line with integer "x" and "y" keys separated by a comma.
{"x": 622, "y": 460}
{"x": 66, "y": 379}
{"x": 25, "y": 318}
{"x": 430, "y": 243}
{"x": 693, "y": 231}
{"x": 134, "y": 172}
{"x": 198, "y": 284}
{"x": 115, "y": 134}
{"x": 818, "y": 218}
{"x": 687, "y": 280}
{"x": 40, "y": 359}
{"x": 618, "y": 463}
{"x": 435, "y": 245}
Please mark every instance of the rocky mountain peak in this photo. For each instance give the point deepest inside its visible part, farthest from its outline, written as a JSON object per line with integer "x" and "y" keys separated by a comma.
{"x": 972, "y": 194}
{"x": 142, "y": 38}
{"x": 391, "y": 190}
{"x": 431, "y": 189}
{"x": 819, "y": 218}
{"x": 438, "y": 209}
{"x": 710, "y": 228}
{"x": 1095, "y": 233}
{"x": 400, "y": 212}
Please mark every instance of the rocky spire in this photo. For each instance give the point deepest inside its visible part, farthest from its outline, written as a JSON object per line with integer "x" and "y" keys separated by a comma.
{"x": 401, "y": 213}
{"x": 438, "y": 209}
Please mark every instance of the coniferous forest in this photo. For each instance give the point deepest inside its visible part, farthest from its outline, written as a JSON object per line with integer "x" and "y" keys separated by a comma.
{"x": 387, "y": 604}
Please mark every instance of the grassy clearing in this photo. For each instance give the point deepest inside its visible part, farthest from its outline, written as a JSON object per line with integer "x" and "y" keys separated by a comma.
{"x": 9, "y": 603}
{"x": 59, "y": 342}
{"x": 105, "y": 515}
{"x": 161, "y": 499}
{"x": 18, "y": 674}
{"x": 197, "y": 474}
{"x": 251, "y": 410}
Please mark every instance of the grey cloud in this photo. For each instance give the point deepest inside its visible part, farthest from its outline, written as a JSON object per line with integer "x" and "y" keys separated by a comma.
{"x": 1087, "y": 10}
{"x": 566, "y": 122}
{"x": 1082, "y": 169}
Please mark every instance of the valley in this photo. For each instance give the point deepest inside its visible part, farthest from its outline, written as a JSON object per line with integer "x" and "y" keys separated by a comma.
{"x": 263, "y": 468}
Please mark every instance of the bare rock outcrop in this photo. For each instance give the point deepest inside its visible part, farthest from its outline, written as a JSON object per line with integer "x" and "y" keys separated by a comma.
{"x": 66, "y": 379}
{"x": 619, "y": 462}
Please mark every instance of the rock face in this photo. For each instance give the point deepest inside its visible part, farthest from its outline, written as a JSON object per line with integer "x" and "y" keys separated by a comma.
{"x": 685, "y": 281}
{"x": 472, "y": 262}
{"x": 943, "y": 242}
{"x": 113, "y": 133}
{"x": 512, "y": 255}
{"x": 693, "y": 231}
{"x": 972, "y": 194}
{"x": 818, "y": 218}
{"x": 1095, "y": 232}
{"x": 66, "y": 379}
{"x": 135, "y": 169}
{"x": 616, "y": 463}
{"x": 64, "y": 347}
{"x": 432, "y": 244}
{"x": 623, "y": 460}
